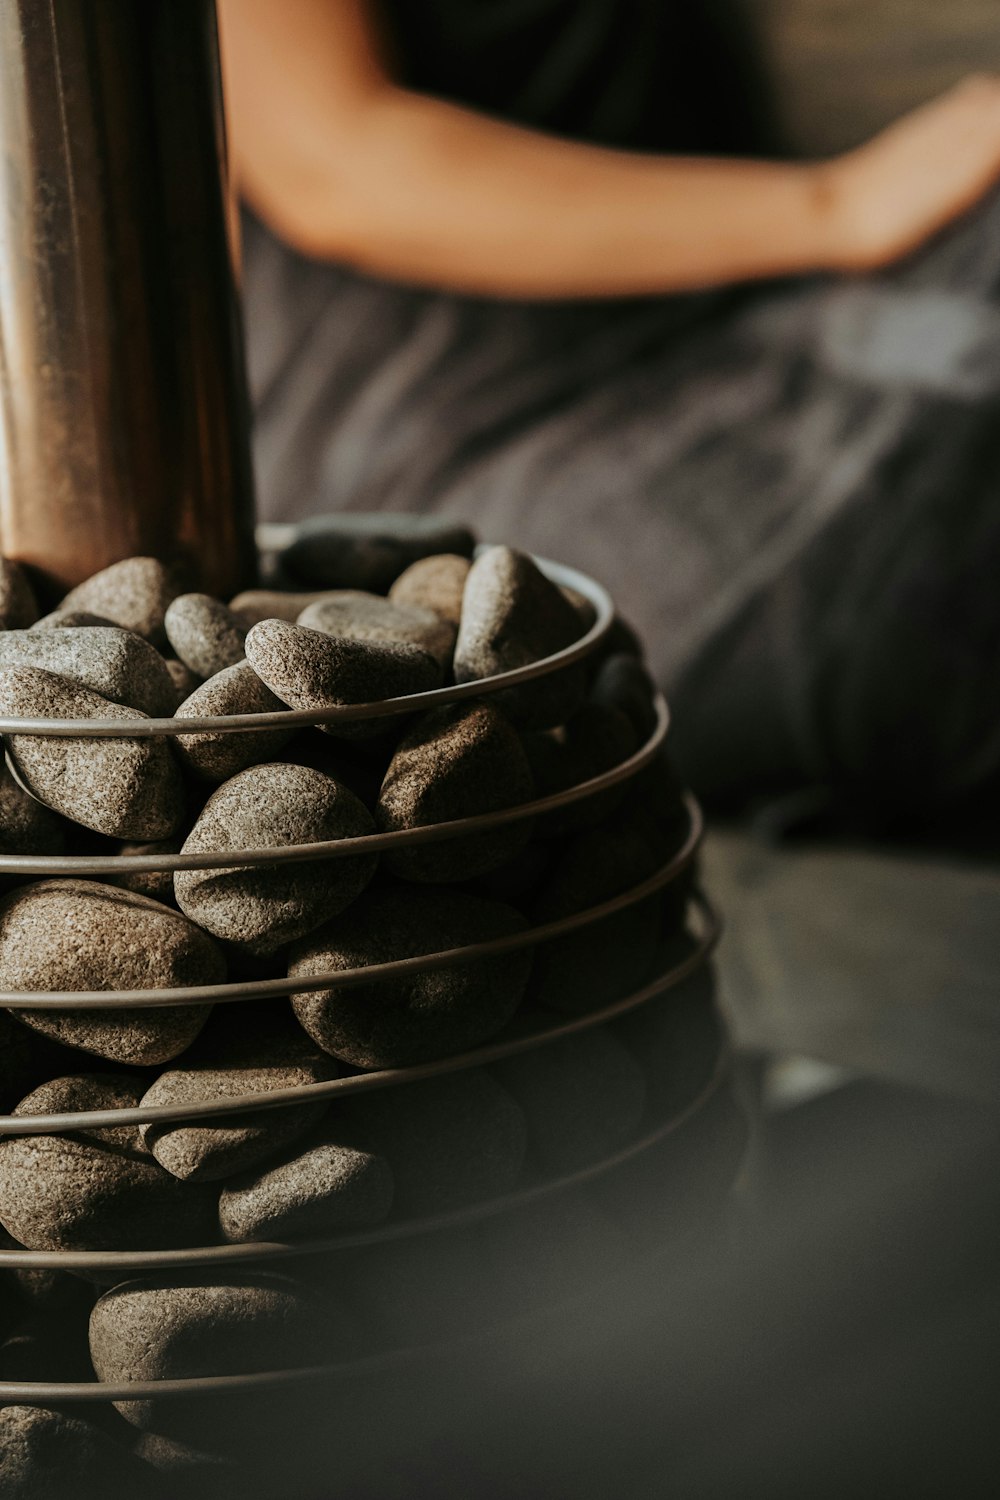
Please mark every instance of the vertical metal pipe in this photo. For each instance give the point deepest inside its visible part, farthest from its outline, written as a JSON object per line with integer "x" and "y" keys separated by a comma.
{"x": 123, "y": 408}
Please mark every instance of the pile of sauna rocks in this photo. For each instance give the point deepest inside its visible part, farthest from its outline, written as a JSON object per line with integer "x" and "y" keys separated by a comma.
{"x": 130, "y": 643}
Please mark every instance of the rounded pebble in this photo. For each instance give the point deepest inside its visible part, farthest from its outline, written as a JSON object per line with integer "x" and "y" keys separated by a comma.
{"x": 455, "y": 762}
{"x": 27, "y": 826}
{"x": 173, "y": 1326}
{"x": 254, "y": 605}
{"x": 415, "y": 1017}
{"x": 245, "y": 1049}
{"x": 206, "y": 636}
{"x": 596, "y": 739}
{"x": 308, "y": 669}
{"x": 356, "y": 616}
{"x": 623, "y": 684}
{"x": 157, "y": 884}
{"x": 184, "y": 680}
{"x": 512, "y": 615}
{"x": 82, "y": 935}
{"x": 267, "y": 807}
{"x": 449, "y": 1141}
{"x": 18, "y": 606}
{"x": 435, "y": 583}
{"x": 134, "y": 593}
{"x": 116, "y": 663}
{"x": 49, "y": 1455}
{"x": 70, "y": 619}
{"x": 351, "y": 551}
{"x": 331, "y": 1182}
{"x": 127, "y": 788}
{"x": 216, "y": 756}
{"x": 96, "y": 1189}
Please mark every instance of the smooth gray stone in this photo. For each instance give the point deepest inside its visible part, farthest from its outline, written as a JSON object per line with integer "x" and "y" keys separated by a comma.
{"x": 206, "y": 636}
{"x": 83, "y": 935}
{"x": 220, "y": 1322}
{"x": 245, "y": 1049}
{"x": 449, "y": 1141}
{"x": 455, "y": 762}
{"x": 18, "y": 606}
{"x": 27, "y": 826}
{"x": 116, "y": 663}
{"x": 48, "y": 1455}
{"x": 254, "y": 605}
{"x": 331, "y": 1181}
{"x": 264, "y": 807}
{"x": 216, "y": 756}
{"x": 126, "y": 788}
{"x": 420, "y": 1016}
{"x": 70, "y": 619}
{"x": 582, "y": 1096}
{"x": 98, "y": 1189}
{"x": 352, "y": 551}
{"x": 435, "y": 583}
{"x": 308, "y": 669}
{"x": 134, "y": 593}
{"x": 184, "y": 680}
{"x": 512, "y": 615}
{"x": 351, "y": 614}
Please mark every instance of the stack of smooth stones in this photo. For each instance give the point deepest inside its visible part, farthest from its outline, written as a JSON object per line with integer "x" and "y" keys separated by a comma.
{"x": 359, "y": 618}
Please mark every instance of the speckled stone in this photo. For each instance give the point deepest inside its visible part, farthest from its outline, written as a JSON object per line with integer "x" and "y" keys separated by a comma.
{"x": 254, "y": 605}
{"x": 49, "y": 1455}
{"x": 623, "y": 683}
{"x": 206, "y": 636}
{"x": 596, "y": 739}
{"x": 609, "y": 958}
{"x": 420, "y": 1016}
{"x": 190, "y": 1472}
{"x": 70, "y": 619}
{"x": 26, "y": 826}
{"x": 18, "y": 606}
{"x": 449, "y": 1141}
{"x": 158, "y": 884}
{"x": 116, "y": 663}
{"x": 215, "y": 756}
{"x": 174, "y": 1326}
{"x": 308, "y": 669}
{"x": 455, "y": 762}
{"x": 134, "y": 593}
{"x": 513, "y": 615}
{"x": 97, "y": 1189}
{"x": 81, "y": 935}
{"x": 582, "y": 1096}
{"x": 265, "y": 807}
{"x": 127, "y": 788}
{"x": 245, "y": 1049}
{"x": 331, "y": 1181}
{"x": 351, "y": 551}
{"x": 356, "y": 616}
{"x": 184, "y": 680}
{"x": 436, "y": 583}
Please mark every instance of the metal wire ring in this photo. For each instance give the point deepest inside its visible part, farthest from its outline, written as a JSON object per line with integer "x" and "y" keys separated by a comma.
{"x": 28, "y": 1393}
{"x": 77, "y": 865}
{"x": 347, "y": 713}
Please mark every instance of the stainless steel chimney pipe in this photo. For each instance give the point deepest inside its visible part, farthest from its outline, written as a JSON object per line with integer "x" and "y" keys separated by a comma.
{"x": 123, "y": 409}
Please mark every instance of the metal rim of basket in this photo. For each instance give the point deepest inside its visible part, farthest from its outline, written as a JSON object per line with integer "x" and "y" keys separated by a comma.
{"x": 26, "y": 1393}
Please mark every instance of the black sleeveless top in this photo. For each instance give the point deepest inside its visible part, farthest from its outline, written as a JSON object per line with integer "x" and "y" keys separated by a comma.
{"x": 644, "y": 75}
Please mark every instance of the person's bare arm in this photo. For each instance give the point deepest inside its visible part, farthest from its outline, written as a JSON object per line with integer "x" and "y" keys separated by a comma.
{"x": 346, "y": 164}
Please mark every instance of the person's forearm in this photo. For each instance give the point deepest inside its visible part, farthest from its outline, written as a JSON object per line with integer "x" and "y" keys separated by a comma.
{"x": 439, "y": 195}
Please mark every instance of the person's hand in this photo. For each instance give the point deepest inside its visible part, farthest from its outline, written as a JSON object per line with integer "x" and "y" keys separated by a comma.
{"x": 889, "y": 196}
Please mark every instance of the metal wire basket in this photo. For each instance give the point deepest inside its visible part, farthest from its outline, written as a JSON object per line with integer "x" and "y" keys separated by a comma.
{"x": 519, "y": 1037}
